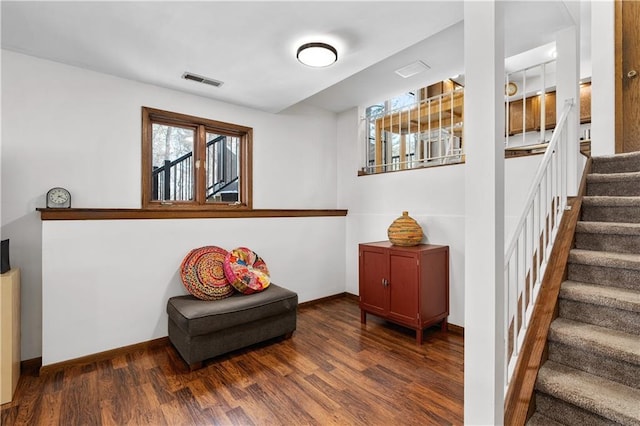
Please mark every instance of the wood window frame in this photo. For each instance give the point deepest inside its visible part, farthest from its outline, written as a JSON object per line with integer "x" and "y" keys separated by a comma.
{"x": 202, "y": 126}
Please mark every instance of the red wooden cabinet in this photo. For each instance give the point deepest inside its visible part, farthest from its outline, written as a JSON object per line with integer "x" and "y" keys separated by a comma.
{"x": 405, "y": 285}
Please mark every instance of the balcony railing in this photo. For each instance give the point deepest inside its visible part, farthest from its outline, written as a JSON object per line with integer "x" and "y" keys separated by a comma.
{"x": 174, "y": 180}
{"x": 421, "y": 134}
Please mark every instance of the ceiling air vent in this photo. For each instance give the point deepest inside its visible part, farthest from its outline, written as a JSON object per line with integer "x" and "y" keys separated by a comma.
{"x": 412, "y": 69}
{"x": 200, "y": 79}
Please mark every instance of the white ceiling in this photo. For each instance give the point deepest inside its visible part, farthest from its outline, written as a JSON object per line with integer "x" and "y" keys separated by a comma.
{"x": 251, "y": 46}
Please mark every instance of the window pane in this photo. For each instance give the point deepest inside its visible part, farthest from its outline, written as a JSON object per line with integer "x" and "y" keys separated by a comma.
{"x": 172, "y": 177}
{"x": 222, "y": 165}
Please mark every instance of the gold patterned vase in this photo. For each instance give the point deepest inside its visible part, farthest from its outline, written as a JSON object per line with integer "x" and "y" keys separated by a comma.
{"x": 405, "y": 231}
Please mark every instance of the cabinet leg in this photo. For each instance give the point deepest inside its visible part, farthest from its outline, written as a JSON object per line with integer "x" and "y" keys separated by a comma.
{"x": 419, "y": 337}
{"x": 444, "y": 325}
{"x": 363, "y": 317}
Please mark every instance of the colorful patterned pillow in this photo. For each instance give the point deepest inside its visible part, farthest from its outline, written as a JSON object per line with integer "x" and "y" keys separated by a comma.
{"x": 246, "y": 271}
{"x": 202, "y": 272}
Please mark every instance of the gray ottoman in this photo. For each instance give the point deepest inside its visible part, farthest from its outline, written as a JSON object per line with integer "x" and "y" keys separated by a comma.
{"x": 201, "y": 329}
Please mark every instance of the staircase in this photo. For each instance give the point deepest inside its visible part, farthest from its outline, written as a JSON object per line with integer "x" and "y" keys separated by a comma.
{"x": 592, "y": 374}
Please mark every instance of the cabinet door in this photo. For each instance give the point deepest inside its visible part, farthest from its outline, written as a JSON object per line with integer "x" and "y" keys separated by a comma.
{"x": 515, "y": 116}
{"x": 373, "y": 275}
{"x": 549, "y": 111}
{"x": 434, "y": 289}
{"x": 403, "y": 288}
{"x": 585, "y": 103}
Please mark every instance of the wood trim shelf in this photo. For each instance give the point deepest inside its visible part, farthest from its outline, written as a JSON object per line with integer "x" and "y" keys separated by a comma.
{"x": 120, "y": 214}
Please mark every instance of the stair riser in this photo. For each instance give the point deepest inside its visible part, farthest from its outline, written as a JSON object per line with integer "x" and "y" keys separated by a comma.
{"x": 540, "y": 420}
{"x": 584, "y": 359}
{"x": 629, "y": 188}
{"x": 601, "y": 275}
{"x": 611, "y": 213}
{"x": 604, "y": 316}
{"x": 608, "y": 242}
{"x": 567, "y": 413}
{"x": 615, "y": 165}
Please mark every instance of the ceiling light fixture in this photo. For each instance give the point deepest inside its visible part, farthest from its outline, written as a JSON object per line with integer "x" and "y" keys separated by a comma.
{"x": 317, "y": 54}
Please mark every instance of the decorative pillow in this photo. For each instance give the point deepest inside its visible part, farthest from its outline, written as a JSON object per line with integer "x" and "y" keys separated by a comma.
{"x": 202, "y": 272}
{"x": 246, "y": 271}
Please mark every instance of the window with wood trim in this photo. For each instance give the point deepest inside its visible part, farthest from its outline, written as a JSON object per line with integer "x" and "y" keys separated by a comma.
{"x": 194, "y": 163}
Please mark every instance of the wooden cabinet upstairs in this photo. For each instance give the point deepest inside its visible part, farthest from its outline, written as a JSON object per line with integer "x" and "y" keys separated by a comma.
{"x": 532, "y": 111}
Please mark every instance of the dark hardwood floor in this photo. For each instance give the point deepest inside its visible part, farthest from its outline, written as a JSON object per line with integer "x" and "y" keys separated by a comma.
{"x": 333, "y": 371}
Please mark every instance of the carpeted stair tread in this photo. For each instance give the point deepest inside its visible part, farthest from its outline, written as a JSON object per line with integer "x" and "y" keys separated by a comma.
{"x": 603, "y": 397}
{"x": 611, "y": 209}
{"x": 541, "y": 420}
{"x": 615, "y": 228}
{"x": 605, "y": 259}
{"x": 614, "y": 184}
{"x": 612, "y": 177}
{"x": 603, "y": 201}
{"x": 628, "y": 162}
{"x": 608, "y": 236}
{"x": 600, "y": 340}
{"x": 613, "y": 297}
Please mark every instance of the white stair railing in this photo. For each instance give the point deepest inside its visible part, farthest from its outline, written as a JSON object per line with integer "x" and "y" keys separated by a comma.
{"x": 528, "y": 252}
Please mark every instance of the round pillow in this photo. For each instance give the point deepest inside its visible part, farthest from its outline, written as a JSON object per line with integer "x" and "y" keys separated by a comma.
{"x": 246, "y": 271}
{"x": 202, "y": 273}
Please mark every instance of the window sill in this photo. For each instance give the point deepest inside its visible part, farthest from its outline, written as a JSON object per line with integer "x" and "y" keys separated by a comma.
{"x": 120, "y": 214}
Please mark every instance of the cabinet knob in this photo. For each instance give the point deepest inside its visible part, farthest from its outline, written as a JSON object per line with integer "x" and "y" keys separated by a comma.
{"x": 385, "y": 283}
{"x": 632, "y": 74}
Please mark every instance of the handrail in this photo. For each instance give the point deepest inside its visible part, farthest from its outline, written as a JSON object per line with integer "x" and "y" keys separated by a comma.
{"x": 159, "y": 169}
{"x": 527, "y": 254}
{"x": 541, "y": 169}
{"x": 519, "y": 397}
{"x": 221, "y": 188}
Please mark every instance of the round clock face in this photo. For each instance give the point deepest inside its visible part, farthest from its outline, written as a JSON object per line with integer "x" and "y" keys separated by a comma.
{"x": 58, "y": 197}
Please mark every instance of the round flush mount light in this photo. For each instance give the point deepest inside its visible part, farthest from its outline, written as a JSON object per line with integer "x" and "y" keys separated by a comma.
{"x": 317, "y": 54}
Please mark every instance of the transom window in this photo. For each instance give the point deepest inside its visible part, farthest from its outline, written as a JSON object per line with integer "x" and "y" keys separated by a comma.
{"x": 190, "y": 162}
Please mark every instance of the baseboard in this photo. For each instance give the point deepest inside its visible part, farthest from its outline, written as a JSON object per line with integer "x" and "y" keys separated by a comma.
{"x": 30, "y": 366}
{"x": 451, "y": 328}
{"x": 113, "y": 353}
{"x": 323, "y": 299}
{"x": 103, "y": 356}
{"x": 36, "y": 366}
{"x": 455, "y": 329}
{"x": 351, "y": 296}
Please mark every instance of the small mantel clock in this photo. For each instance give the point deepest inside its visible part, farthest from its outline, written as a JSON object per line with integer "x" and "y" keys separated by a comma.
{"x": 58, "y": 198}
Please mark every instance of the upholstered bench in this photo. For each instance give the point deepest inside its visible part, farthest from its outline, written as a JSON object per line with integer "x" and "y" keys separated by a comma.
{"x": 201, "y": 329}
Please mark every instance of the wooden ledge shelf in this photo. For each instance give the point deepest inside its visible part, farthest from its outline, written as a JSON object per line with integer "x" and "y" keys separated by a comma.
{"x": 119, "y": 214}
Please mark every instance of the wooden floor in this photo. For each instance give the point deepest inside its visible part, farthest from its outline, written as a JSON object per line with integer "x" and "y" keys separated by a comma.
{"x": 332, "y": 372}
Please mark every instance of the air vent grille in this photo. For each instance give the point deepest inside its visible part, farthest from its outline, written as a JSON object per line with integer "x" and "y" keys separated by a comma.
{"x": 412, "y": 69}
{"x": 201, "y": 79}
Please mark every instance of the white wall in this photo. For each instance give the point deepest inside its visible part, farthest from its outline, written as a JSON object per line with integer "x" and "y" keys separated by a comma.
{"x": 106, "y": 283}
{"x": 66, "y": 126}
{"x": 603, "y": 78}
{"x": 433, "y": 196}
